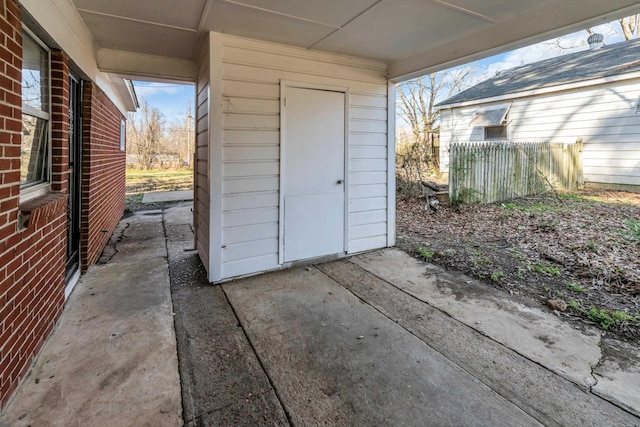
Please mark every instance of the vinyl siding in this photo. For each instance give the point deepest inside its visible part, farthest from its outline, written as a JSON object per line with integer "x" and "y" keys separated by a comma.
{"x": 251, "y": 76}
{"x": 201, "y": 198}
{"x": 603, "y": 116}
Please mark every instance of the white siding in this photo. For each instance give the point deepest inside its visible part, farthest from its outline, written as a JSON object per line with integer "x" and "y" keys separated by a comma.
{"x": 201, "y": 198}
{"x": 603, "y": 116}
{"x": 251, "y": 76}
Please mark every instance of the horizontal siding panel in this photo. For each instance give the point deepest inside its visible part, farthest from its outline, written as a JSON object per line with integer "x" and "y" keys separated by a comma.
{"x": 356, "y": 112}
{"x": 607, "y": 146}
{"x": 365, "y": 178}
{"x": 232, "y": 88}
{"x": 247, "y": 73}
{"x": 250, "y": 265}
{"x": 371, "y": 204}
{"x": 368, "y": 152}
{"x": 251, "y": 121}
{"x": 246, "y": 137}
{"x": 251, "y": 185}
{"x": 368, "y": 165}
{"x": 250, "y": 217}
{"x": 247, "y": 233}
{"x": 368, "y": 126}
{"x": 246, "y": 105}
{"x": 243, "y": 153}
{"x": 316, "y": 55}
{"x": 367, "y": 244}
{"x": 256, "y": 248}
{"x": 364, "y": 191}
{"x": 367, "y": 100}
{"x": 367, "y": 139}
{"x": 611, "y": 170}
{"x": 630, "y": 163}
{"x": 368, "y": 230}
{"x": 250, "y": 201}
{"x": 367, "y": 217}
{"x": 612, "y": 179}
{"x": 578, "y": 128}
{"x": 202, "y": 110}
{"x": 250, "y": 169}
{"x": 300, "y": 64}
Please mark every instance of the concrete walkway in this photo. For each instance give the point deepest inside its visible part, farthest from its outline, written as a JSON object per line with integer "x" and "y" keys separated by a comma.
{"x": 167, "y": 196}
{"x": 112, "y": 359}
{"x": 375, "y": 339}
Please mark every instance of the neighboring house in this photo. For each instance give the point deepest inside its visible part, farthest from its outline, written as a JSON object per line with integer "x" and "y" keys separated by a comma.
{"x": 294, "y": 133}
{"x": 592, "y": 96}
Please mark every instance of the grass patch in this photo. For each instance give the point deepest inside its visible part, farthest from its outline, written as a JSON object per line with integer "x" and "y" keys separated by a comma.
{"x": 603, "y": 317}
{"x": 546, "y": 268}
{"x": 142, "y": 181}
{"x": 631, "y": 231}
{"x": 425, "y": 253}
{"x": 497, "y": 275}
{"x": 574, "y": 287}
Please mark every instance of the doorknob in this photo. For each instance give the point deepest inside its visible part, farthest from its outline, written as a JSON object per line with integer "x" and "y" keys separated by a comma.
{"x": 340, "y": 181}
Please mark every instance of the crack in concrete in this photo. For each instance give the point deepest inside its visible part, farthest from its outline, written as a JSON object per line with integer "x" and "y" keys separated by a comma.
{"x": 597, "y": 364}
{"x": 223, "y": 407}
{"x": 113, "y": 245}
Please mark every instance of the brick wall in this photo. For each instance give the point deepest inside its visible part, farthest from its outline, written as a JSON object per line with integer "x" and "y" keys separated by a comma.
{"x": 103, "y": 172}
{"x": 32, "y": 257}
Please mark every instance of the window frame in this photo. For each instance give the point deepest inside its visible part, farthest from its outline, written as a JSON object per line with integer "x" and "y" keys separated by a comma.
{"x": 506, "y": 132}
{"x": 33, "y": 190}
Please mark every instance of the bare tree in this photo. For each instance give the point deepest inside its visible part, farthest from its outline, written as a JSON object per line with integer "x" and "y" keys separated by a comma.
{"x": 629, "y": 26}
{"x": 180, "y": 135}
{"x": 417, "y": 155}
{"x": 145, "y": 135}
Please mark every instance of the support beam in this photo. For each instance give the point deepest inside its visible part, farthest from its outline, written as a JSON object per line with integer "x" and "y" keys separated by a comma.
{"x": 136, "y": 64}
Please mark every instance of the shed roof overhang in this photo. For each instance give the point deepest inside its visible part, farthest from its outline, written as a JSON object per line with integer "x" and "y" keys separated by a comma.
{"x": 162, "y": 39}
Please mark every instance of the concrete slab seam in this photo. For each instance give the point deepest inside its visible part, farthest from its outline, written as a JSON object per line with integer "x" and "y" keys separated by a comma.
{"x": 580, "y": 386}
{"x": 173, "y": 317}
{"x": 409, "y": 331}
{"x": 260, "y": 361}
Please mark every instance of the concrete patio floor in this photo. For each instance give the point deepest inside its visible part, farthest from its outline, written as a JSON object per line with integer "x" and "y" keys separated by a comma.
{"x": 375, "y": 339}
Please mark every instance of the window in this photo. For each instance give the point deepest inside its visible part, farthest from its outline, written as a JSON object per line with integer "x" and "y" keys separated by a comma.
{"x": 493, "y": 119}
{"x": 34, "y": 158}
{"x": 123, "y": 132}
{"x": 495, "y": 132}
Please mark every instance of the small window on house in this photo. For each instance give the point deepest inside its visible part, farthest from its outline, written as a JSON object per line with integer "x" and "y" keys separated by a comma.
{"x": 638, "y": 106}
{"x": 493, "y": 119}
{"x": 495, "y": 132}
{"x": 34, "y": 155}
{"x": 123, "y": 132}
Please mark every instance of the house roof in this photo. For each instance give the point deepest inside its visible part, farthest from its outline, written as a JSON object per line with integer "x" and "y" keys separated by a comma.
{"x": 613, "y": 60}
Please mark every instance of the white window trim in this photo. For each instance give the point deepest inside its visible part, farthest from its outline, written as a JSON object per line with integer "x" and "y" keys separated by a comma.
{"x": 39, "y": 189}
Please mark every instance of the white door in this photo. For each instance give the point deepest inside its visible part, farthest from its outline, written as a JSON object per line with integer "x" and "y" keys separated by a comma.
{"x": 313, "y": 153}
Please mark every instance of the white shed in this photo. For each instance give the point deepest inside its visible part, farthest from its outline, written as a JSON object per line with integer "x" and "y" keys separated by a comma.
{"x": 296, "y": 150}
{"x": 592, "y": 96}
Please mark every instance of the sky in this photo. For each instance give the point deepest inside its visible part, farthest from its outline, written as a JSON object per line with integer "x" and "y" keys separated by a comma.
{"x": 172, "y": 99}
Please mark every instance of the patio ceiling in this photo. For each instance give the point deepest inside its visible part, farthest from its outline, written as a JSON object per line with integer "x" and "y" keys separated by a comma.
{"x": 414, "y": 36}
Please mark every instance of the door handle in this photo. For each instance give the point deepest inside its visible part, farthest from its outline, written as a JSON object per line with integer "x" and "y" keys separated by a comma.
{"x": 340, "y": 181}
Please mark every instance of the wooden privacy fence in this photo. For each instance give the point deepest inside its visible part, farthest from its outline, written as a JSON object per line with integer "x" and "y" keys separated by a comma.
{"x": 493, "y": 171}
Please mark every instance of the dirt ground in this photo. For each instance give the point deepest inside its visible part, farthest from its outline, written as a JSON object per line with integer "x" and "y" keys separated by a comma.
{"x": 578, "y": 253}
